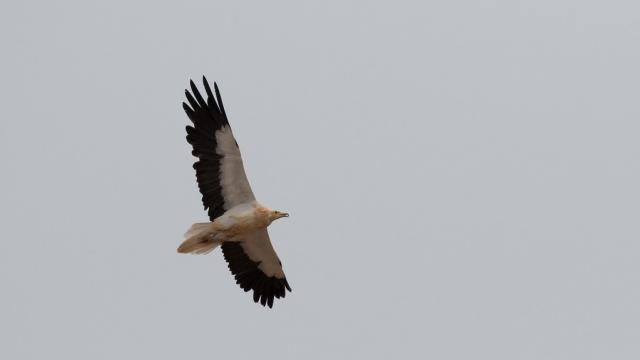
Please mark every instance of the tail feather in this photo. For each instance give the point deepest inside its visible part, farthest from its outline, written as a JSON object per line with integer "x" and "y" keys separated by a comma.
{"x": 196, "y": 228}
{"x": 197, "y": 246}
{"x": 198, "y": 240}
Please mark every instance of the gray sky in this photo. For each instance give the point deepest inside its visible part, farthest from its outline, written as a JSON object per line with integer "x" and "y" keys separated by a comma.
{"x": 462, "y": 178}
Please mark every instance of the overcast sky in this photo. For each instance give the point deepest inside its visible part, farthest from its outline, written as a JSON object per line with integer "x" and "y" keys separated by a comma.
{"x": 462, "y": 178}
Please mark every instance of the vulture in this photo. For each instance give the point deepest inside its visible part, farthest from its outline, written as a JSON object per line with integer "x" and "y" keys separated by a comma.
{"x": 238, "y": 223}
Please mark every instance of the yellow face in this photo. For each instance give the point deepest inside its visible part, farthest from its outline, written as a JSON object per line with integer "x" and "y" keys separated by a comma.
{"x": 275, "y": 214}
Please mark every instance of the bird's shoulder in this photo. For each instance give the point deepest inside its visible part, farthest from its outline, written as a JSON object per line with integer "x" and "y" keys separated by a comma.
{"x": 243, "y": 210}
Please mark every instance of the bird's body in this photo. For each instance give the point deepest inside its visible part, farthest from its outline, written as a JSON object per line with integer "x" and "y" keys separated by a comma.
{"x": 238, "y": 222}
{"x": 243, "y": 219}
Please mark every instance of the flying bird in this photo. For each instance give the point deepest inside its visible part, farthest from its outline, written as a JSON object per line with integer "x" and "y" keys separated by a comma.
{"x": 238, "y": 223}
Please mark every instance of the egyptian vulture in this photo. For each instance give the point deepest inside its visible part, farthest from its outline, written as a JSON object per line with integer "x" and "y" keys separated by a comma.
{"x": 238, "y": 222}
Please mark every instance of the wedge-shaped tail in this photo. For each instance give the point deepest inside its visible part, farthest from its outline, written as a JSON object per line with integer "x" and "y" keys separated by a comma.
{"x": 198, "y": 240}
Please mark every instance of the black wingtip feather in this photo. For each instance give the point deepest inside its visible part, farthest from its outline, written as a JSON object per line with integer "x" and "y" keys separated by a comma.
{"x": 206, "y": 121}
{"x": 256, "y": 296}
{"x": 207, "y": 88}
{"x": 249, "y": 276}
{"x": 188, "y": 110}
{"x": 219, "y": 98}
{"x": 196, "y": 94}
{"x": 192, "y": 102}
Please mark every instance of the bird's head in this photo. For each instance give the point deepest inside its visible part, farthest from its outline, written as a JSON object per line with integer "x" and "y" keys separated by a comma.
{"x": 275, "y": 215}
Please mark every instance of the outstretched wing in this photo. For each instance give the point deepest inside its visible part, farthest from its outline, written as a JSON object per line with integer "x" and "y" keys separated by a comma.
{"x": 256, "y": 267}
{"x": 223, "y": 184}
{"x": 219, "y": 170}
